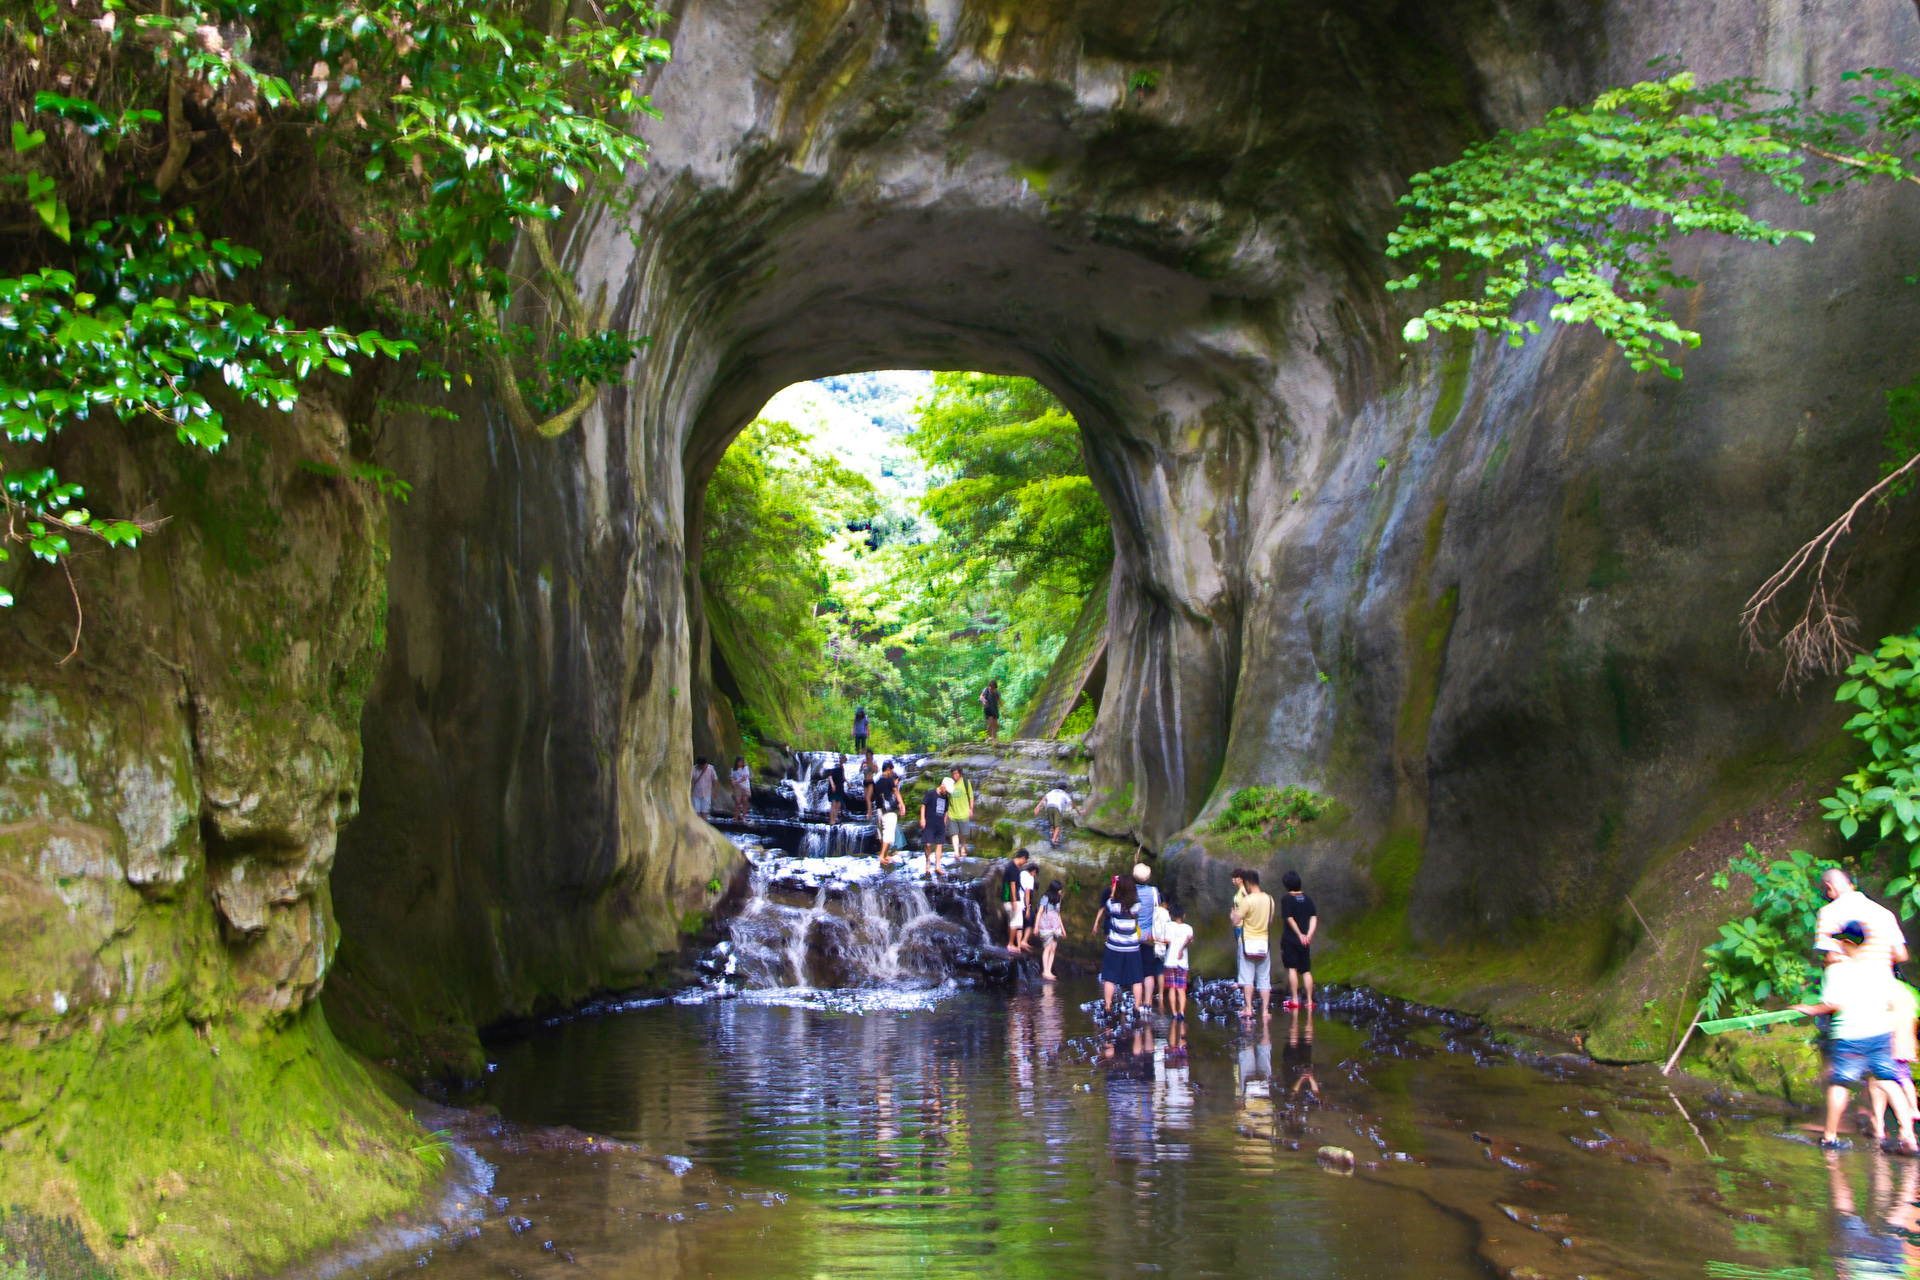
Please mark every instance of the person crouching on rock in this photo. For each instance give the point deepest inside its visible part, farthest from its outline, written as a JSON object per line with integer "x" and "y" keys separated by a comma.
{"x": 1860, "y": 996}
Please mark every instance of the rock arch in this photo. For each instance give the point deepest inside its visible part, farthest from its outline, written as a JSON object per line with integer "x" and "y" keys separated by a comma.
{"x": 1483, "y": 598}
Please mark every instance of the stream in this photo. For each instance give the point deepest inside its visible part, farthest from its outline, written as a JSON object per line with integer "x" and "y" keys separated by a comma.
{"x": 863, "y": 1084}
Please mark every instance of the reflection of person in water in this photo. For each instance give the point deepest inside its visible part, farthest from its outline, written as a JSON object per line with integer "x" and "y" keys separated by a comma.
{"x": 1296, "y": 1060}
{"x": 1859, "y": 1252}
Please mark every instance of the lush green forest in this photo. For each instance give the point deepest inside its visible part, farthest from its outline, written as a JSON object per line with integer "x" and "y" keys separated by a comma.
{"x": 827, "y": 591}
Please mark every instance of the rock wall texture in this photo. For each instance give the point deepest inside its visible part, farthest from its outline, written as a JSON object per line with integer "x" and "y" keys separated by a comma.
{"x": 1484, "y": 598}
{"x": 169, "y": 806}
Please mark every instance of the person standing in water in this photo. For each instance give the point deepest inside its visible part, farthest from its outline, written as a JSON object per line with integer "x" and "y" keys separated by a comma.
{"x": 704, "y": 778}
{"x": 883, "y": 801}
{"x": 1050, "y": 927}
{"x": 1148, "y": 904}
{"x": 1254, "y": 914}
{"x": 742, "y": 787}
{"x": 1010, "y": 900}
{"x": 1298, "y": 922}
{"x": 859, "y": 731}
{"x": 1860, "y": 992}
{"x": 933, "y": 826}
{"x": 1173, "y": 976}
{"x": 1120, "y": 917}
{"x": 990, "y": 703}
{"x": 869, "y": 770}
{"x": 959, "y": 812}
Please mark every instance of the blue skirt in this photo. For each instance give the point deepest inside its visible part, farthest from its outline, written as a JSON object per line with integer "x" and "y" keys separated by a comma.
{"x": 1122, "y": 968}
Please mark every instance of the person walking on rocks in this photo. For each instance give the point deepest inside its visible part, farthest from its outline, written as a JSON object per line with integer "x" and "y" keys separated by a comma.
{"x": 1298, "y": 920}
{"x": 869, "y": 770}
{"x": 860, "y": 731}
{"x": 1058, "y": 804}
{"x": 1120, "y": 917}
{"x": 1254, "y": 914}
{"x": 742, "y": 787}
{"x": 883, "y": 801}
{"x": 990, "y": 703}
{"x": 959, "y": 812}
{"x": 836, "y": 790}
{"x": 704, "y": 778}
{"x": 1049, "y": 926}
{"x": 1148, "y": 900}
{"x": 933, "y": 825}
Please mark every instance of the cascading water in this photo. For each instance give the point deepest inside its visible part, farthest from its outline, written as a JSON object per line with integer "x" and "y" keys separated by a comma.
{"x": 798, "y": 929}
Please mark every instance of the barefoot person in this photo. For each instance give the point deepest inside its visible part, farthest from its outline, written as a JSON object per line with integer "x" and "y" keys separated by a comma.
{"x": 1254, "y": 914}
{"x": 1120, "y": 917}
{"x": 1011, "y": 901}
{"x": 742, "y": 787}
{"x": 933, "y": 826}
{"x": 1050, "y": 926}
{"x": 1173, "y": 977}
{"x": 1859, "y": 993}
{"x": 1058, "y": 805}
{"x": 883, "y": 802}
{"x": 1298, "y": 920}
{"x": 860, "y": 731}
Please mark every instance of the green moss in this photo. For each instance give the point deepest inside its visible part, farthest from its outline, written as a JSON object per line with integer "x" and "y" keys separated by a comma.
{"x": 1453, "y": 385}
{"x": 1779, "y": 1060}
{"x": 206, "y": 1153}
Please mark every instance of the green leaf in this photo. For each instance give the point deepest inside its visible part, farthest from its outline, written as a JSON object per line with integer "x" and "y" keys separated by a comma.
{"x": 24, "y": 141}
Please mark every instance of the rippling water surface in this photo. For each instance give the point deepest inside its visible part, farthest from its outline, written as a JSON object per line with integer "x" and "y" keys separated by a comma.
{"x": 977, "y": 1134}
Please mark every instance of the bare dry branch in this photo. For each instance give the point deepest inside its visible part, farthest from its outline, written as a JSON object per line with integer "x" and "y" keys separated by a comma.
{"x": 79, "y": 616}
{"x": 1821, "y": 637}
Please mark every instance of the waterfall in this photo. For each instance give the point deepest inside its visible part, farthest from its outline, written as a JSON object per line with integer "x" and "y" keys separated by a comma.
{"x": 801, "y": 930}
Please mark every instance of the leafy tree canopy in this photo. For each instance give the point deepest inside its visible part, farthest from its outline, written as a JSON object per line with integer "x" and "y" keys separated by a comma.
{"x": 383, "y": 154}
{"x": 1012, "y": 493}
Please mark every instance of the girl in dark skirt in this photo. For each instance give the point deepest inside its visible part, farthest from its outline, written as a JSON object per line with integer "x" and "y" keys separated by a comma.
{"x": 1121, "y": 966}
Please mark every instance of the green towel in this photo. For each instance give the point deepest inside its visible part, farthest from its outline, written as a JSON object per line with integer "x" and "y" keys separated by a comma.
{"x": 1751, "y": 1020}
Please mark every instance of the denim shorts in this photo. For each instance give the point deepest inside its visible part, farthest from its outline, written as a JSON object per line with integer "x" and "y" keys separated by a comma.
{"x": 1854, "y": 1060}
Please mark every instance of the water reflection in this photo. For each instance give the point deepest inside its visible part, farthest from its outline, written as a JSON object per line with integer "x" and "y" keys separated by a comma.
{"x": 997, "y": 1136}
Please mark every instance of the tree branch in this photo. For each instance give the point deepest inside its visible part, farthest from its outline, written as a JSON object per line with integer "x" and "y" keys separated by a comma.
{"x": 179, "y": 139}
{"x": 1820, "y": 639}
{"x": 1851, "y": 162}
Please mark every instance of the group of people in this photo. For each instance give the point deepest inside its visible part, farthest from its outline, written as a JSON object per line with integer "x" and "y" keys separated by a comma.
{"x": 1252, "y": 916}
{"x": 1031, "y": 917}
{"x": 1147, "y": 943}
{"x": 1871, "y": 1036}
{"x": 946, "y": 809}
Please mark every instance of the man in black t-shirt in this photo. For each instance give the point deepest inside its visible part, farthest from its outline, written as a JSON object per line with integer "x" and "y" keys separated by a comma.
{"x": 836, "y": 791}
{"x": 1298, "y": 921}
{"x": 933, "y": 826}
{"x": 883, "y": 804}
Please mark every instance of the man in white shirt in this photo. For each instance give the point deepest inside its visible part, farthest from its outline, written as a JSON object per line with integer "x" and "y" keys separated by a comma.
{"x": 1885, "y": 946}
{"x": 1859, "y": 992}
{"x": 1058, "y": 805}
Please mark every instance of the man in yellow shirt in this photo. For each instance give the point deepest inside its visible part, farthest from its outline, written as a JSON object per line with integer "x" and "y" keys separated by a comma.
{"x": 1253, "y": 913}
{"x": 959, "y": 813}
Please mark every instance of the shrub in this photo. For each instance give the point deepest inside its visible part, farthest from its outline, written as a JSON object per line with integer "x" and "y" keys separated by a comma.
{"x": 1276, "y": 813}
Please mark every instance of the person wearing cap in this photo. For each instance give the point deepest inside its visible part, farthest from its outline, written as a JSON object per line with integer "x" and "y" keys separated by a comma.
{"x": 1857, "y": 989}
{"x": 1886, "y": 945}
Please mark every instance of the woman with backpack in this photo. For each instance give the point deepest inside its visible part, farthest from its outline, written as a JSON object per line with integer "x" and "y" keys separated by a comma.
{"x": 1120, "y": 966}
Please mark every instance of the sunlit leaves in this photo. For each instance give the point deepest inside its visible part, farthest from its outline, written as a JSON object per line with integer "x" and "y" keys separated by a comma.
{"x": 1767, "y": 955}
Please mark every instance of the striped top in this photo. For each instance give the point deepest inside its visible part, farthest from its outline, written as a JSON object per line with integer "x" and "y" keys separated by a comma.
{"x": 1123, "y": 928}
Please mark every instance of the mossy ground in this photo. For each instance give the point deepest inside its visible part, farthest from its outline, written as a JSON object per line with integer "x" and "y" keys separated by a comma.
{"x": 207, "y": 1153}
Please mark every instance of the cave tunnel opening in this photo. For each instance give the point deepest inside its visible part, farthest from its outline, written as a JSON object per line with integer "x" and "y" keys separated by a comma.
{"x": 892, "y": 541}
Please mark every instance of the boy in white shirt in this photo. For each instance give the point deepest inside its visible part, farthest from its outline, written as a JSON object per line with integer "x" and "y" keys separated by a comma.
{"x": 1859, "y": 993}
{"x": 1177, "y": 935}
